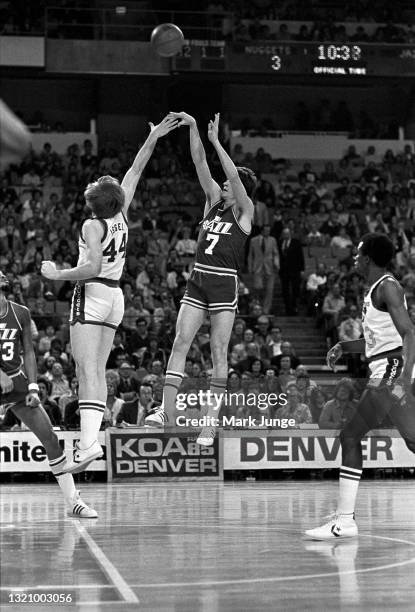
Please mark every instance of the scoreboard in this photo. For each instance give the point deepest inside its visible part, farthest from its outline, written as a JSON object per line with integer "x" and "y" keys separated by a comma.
{"x": 297, "y": 58}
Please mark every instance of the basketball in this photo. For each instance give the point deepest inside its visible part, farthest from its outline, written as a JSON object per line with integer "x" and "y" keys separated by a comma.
{"x": 167, "y": 39}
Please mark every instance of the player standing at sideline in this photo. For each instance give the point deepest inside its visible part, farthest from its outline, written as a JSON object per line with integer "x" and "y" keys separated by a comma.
{"x": 213, "y": 284}
{"x": 98, "y": 303}
{"x": 19, "y": 389}
{"x": 389, "y": 345}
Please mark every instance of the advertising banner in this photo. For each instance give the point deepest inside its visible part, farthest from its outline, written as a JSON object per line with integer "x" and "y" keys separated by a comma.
{"x": 138, "y": 453}
{"x": 21, "y": 451}
{"x": 279, "y": 450}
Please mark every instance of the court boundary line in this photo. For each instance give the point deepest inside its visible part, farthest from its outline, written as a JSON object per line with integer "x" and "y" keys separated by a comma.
{"x": 107, "y": 566}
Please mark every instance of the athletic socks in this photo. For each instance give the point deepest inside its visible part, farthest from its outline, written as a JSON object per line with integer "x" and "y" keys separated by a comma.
{"x": 349, "y": 484}
{"x": 218, "y": 391}
{"x": 172, "y": 384}
{"x": 65, "y": 481}
{"x": 91, "y": 412}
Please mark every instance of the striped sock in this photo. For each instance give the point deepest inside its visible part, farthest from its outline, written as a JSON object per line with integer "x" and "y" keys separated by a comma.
{"x": 91, "y": 412}
{"x": 65, "y": 481}
{"x": 172, "y": 384}
{"x": 218, "y": 391}
{"x": 349, "y": 483}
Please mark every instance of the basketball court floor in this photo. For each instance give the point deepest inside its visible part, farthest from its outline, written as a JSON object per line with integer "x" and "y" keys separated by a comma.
{"x": 200, "y": 546}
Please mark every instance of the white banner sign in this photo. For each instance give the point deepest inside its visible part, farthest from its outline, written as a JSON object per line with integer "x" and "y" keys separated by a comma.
{"x": 253, "y": 451}
{"x": 21, "y": 451}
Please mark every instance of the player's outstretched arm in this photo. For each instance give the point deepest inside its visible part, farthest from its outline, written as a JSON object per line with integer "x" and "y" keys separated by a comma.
{"x": 29, "y": 357}
{"x": 197, "y": 151}
{"x": 93, "y": 233}
{"x": 132, "y": 176}
{"x": 244, "y": 202}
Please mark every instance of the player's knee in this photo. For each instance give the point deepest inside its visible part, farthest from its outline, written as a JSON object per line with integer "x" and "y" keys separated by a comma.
{"x": 182, "y": 342}
{"x": 348, "y": 441}
{"x": 50, "y": 440}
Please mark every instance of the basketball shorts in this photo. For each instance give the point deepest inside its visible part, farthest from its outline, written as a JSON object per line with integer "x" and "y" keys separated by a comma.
{"x": 211, "y": 292}
{"x": 20, "y": 389}
{"x": 385, "y": 371}
{"x": 96, "y": 303}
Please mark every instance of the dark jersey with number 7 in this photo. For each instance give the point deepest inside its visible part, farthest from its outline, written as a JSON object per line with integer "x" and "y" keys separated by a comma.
{"x": 221, "y": 242}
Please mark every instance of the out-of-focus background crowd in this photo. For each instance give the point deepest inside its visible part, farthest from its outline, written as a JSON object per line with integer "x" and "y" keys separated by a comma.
{"x": 299, "y": 293}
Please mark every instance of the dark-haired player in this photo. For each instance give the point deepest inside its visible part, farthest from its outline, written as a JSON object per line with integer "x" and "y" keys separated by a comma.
{"x": 98, "y": 305}
{"x": 19, "y": 389}
{"x": 213, "y": 284}
{"x": 389, "y": 346}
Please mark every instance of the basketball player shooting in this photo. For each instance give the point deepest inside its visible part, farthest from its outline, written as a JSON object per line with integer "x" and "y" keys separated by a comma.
{"x": 389, "y": 346}
{"x": 98, "y": 303}
{"x": 19, "y": 389}
{"x": 213, "y": 285}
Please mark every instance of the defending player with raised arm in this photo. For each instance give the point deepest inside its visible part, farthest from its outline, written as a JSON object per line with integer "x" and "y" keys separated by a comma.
{"x": 389, "y": 346}
{"x": 98, "y": 304}
{"x": 213, "y": 285}
{"x": 19, "y": 389}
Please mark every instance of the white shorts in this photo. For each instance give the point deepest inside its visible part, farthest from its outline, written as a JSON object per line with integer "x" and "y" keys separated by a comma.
{"x": 384, "y": 372}
{"x": 97, "y": 303}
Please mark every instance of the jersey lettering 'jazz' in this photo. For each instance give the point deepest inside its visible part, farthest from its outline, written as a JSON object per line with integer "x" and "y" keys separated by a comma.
{"x": 379, "y": 329}
{"x": 114, "y": 246}
{"x": 221, "y": 241}
{"x": 10, "y": 341}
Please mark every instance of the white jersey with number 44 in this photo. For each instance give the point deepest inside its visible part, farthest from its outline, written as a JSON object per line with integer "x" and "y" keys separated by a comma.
{"x": 114, "y": 246}
{"x": 379, "y": 330}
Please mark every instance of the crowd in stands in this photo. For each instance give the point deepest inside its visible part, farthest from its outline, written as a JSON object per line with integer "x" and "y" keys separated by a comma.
{"x": 326, "y": 212}
{"x": 244, "y": 21}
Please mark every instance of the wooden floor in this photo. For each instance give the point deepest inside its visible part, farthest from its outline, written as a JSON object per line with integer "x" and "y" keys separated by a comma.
{"x": 209, "y": 547}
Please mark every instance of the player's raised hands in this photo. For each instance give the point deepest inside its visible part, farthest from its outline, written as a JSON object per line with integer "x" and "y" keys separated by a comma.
{"x": 334, "y": 355}
{"x": 183, "y": 118}
{"x": 165, "y": 126}
{"x": 213, "y": 129}
{"x": 48, "y": 270}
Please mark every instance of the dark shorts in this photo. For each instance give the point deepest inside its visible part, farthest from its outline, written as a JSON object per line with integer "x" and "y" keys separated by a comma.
{"x": 18, "y": 394}
{"x": 211, "y": 292}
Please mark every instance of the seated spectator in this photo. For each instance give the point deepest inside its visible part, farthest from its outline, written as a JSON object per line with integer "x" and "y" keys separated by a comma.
{"x": 117, "y": 349}
{"x": 351, "y": 329}
{"x": 113, "y": 405}
{"x": 315, "y": 286}
{"x": 286, "y": 372}
{"x": 50, "y": 406}
{"x": 274, "y": 341}
{"x": 59, "y": 382}
{"x": 338, "y": 411}
{"x": 294, "y": 409}
{"x": 128, "y": 381}
{"x": 287, "y": 350}
{"x": 314, "y": 237}
{"x": 139, "y": 338}
{"x": 70, "y": 396}
{"x": 318, "y": 399}
{"x": 134, "y": 412}
{"x": 341, "y": 245}
{"x": 333, "y": 304}
{"x": 186, "y": 246}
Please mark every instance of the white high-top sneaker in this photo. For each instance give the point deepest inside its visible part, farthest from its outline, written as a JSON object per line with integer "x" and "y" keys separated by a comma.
{"x": 338, "y": 527}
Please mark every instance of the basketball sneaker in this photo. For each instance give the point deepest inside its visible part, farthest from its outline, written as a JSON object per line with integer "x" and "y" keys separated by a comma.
{"x": 158, "y": 418}
{"x": 82, "y": 457}
{"x": 206, "y": 436}
{"x": 80, "y": 509}
{"x": 338, "y": 527}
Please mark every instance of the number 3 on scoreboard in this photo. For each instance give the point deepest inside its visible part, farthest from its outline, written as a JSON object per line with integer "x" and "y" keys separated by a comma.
{"x": 214, "y": 238}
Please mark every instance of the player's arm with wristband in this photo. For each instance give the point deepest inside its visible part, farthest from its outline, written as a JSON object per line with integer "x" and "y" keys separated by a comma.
{"x": 132, "y": 176}
{"x": 92, "y": 232}
{"x": 29, "y": 358}
{"x": 197, "y": 151}
{"x": 343, "y": 347}
{"x": 244, "y": 202}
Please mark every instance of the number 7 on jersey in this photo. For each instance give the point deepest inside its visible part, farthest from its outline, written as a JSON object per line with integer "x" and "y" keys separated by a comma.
{"x": 214, "y": 238}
